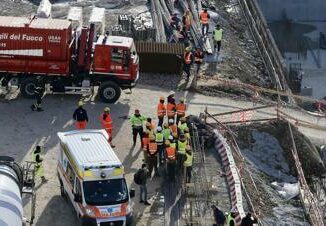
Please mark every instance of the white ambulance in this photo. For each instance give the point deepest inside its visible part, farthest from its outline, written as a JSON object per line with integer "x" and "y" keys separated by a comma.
{"x": 92, "y": 177}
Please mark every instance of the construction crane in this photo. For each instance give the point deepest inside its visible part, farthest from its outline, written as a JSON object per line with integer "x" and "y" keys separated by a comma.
{"x": 15, "y": 181}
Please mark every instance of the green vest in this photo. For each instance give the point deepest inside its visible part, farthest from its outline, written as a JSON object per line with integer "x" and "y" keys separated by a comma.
{"x": 34, "y": 159}
{"x": 229, "y": 219}
{"x": 189, "y": 160}
{"x": 159, "y": 137}
{"x": 173, "y": 145}
{"x": 166, "y": 133}
{"x": 218, "y": 34}
{"x": 137, "y": 121}
{"x": 183, "y": 126}
{"x": 182, "y": 147}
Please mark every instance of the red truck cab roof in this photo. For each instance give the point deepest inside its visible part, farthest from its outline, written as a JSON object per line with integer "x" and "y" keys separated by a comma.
{"x": 117, "y": 41}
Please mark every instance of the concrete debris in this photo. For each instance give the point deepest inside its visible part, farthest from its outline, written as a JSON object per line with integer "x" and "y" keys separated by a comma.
{"x": 44, "y": 9}
{"x": 286, "y": 190}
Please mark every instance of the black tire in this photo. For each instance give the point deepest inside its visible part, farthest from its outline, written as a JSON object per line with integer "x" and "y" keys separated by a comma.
{"x": 109, "y": 92}
{"x": 27, "y": 87}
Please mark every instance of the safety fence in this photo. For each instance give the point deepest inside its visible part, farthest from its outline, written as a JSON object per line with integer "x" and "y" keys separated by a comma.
{"x": 308, "y": 200}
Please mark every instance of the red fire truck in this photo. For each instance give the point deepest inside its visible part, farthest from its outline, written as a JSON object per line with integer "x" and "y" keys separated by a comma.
{"x": 37, "y": 51}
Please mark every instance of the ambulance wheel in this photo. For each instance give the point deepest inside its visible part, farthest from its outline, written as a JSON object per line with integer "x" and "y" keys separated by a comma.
{"x": 27, "y": 87}
{"x": 109, "y": 92}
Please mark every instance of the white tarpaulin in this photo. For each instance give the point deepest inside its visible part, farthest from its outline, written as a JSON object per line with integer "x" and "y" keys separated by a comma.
{"x": 44, "y": 9}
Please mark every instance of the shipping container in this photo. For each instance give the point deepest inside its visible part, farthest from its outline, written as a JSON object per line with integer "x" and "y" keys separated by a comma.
{"x": 35, "y": 45}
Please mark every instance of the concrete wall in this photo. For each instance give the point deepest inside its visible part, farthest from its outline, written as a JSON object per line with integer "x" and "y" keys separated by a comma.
{"x": 297, "y": 10}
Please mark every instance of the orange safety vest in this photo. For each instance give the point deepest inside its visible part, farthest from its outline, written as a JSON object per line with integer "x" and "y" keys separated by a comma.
{"x": 145, "y": 143}
{"x": 187, "y": 57}
{"x": 107, "y": 122}
{"x": 174, "y": 128}
{"x": 170, "y": 153}
{"x": 170, "y": 109}
{"x": 181, "y": 109}
{"x": 161, "y": 110}
{"x": 152, "y": 148}
{"x": 203, "y": 18}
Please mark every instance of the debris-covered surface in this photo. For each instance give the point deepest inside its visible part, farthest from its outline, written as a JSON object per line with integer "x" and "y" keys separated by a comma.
{"x": 267, "y": 151}
{"x": 239, "y": 59}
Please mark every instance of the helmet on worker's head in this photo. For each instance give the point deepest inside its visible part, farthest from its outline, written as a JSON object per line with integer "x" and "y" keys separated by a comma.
{"x": 205, "y": 10}
{"x": 182, "y": 100}
{"x": 137, "y": 111}
{"x": 234, "y": 210}
{"x": 182, "y": 137}
{"x": 37, "y": 149}
{"x": 159, "y": 129}
{"x": 165, "y": 125}
{"x": 171, "y": 121}
{"x": 107, "y": 110}
{"x": 80, "y": 103}
{"x": 167, "y": 143}
{"x": 188, "y": 49}
{"x": 186, "y": 130}
{"x": 170, "y": 137}
{"x": 183, "y": 119}
{"x": 171, "y": 93}
{"x": 162, "y": 98}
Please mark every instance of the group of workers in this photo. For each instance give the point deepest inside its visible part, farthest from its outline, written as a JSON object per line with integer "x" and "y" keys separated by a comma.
{"x": 168, "y": 143}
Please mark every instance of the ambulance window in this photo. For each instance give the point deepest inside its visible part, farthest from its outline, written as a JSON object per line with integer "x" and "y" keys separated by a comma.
{"x": 117, "y": 55}
{"x": 70, "y": 174}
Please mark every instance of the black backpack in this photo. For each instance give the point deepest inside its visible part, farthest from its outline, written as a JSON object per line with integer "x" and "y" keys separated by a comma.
{"x": 137, "y": 177}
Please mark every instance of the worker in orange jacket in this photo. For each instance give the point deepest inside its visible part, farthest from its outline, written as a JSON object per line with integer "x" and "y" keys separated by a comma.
{"x": 80, "y": 116}
{"x": 106, "y": 121}
{"x": 187, "y": 61}
{"x": 181, "y": 109}
{"x": 204, "y": 20}
{"x": 173, "y": 127}
{"x": 171, "y": 163}
{"x": 161, "y": 111}
{"x": 152, "y": 157}
{"x": 170, "y": 110}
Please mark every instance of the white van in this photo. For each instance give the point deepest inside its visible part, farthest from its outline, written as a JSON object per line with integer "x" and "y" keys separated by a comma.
{"x": 92, "y": 177}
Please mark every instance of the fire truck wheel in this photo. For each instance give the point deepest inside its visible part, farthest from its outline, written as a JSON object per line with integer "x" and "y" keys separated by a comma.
{"x": 27, "y": 87}
{"x": 109, "y": 92}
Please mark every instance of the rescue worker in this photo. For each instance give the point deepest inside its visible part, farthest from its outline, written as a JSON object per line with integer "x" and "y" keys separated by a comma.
{"x": 106, "y": 121}
{"x": 219, "y": 216}
{"x": 137, "y": 121}
{"x": 171, "y": 110}
{"x": 149, "y": 129}
{"x": 80, "y": 116}
{"x": 170, "y": 161}
{"x": 188, "y": 163}
{"x": 39, "y": 170}
{"x": 187, "y": 20}
{"x": 161, "y": 111}
{"x": 159, "y": 139}
{"x": 204, "y": 20}
{"x": 39, "y": 92}
{"x": 172, "y": 141}
{"x": 152, "y": 157}
{"x": 199, "y": 56}
{"x": 217, "y": 37}
{"x": 143, "y": 184}
{"x": 187, "y": 134}
{"x": 149, "y": 120}
{"x": 181, "y": 146}
{"x": 166, "y": 131}
{"x": 181, "y": 109}
{"x": 230, "y": 221}
{"x": 187, "y": 60}
{"x": 171, "y": 97}
{"x": 175, "y": 21}
{"x": 173, "y": 127}
{"x": 145, "y": 142}
{"x": 183, "y": 125}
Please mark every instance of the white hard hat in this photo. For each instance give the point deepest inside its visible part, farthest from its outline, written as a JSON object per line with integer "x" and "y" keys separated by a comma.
{"x": 171, "y": 120}
{"x": 159, "y": 129}
{"x": 107, "y": 109}
{"x": 171, "y": 93}
{"x": 234, "y": 210}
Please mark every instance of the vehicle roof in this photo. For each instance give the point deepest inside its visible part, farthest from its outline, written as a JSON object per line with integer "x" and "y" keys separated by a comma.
{"x": 41, "y": 23}
{"x": 90, "y": 148}
{"x": 115, "y": 41}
